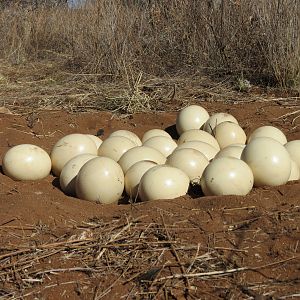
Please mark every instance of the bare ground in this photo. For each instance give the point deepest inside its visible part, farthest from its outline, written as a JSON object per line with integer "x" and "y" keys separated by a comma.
{"x": 56, "y": 247}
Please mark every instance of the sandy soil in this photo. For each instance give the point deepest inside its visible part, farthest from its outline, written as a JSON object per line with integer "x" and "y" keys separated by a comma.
{"x": 56, "y": 247}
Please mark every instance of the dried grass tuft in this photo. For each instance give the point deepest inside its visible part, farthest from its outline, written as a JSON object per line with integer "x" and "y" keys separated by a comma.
{"x": 45, "y": 86}
{"x": 148, "y": 259}
{"x": 258, "y": 40}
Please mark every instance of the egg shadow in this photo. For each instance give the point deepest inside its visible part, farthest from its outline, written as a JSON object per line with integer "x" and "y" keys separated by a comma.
{"x": 55, "y": 183}
{"x": 1, "y": 170}
{"x": 124, "y": 200}
{"x": 171, "y": 130}
{"x": 195, "y": 191}
{"x": 127, "y": 200}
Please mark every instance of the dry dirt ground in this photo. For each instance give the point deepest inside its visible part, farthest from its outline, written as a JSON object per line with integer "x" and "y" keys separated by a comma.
{"x": 57, "y": 247}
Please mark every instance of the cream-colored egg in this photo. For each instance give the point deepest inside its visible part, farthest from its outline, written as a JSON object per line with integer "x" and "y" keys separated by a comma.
{"x": 227, "y": 176}
{"x": 128, "y": 134}
{"x": 190, "y": 161}
{"x": 26, "y": 162}
{"x": 67, "y": 177}
{"x": 239, "y": 145}
{"x": 293, "y": 148}
{"x": 208, "y": 150}
{"x": 163, "y": 182}
{"x": 217, "y": 119}
{"x": 163, "y": 144}
{"x": 268, "y": 131}
{"x": 101, "y": 180}
{"x": 68, "y": 147}
{"x": 234, "y": 151}
{"x": 133, "y": 176}
{"x": 198, "y": 135}
{"x": 96, "y": 140}
{"x": 137, "y": 154}
{"x": 228, "y": 133}
{"x": 154, "y": 132}
{"x": 115, "y": 146}
{"x": 191, "y": 117}
{"x": 295, "y": 171}
{"x": 269, "y": 161}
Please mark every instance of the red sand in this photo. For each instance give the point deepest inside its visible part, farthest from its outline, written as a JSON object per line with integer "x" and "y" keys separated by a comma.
{"x": 258, "y": 231}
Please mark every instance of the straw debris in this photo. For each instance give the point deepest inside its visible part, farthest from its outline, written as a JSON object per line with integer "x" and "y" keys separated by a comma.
{"x": 145, "y": 258}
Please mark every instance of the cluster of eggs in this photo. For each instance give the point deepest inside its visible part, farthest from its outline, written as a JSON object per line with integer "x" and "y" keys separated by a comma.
{"x": 212, "y": 151}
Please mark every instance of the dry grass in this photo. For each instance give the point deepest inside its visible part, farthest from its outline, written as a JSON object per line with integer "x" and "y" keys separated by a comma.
{"x": 149, "y": 260}
{"x": 32, "y": 87}
{"x": 255, "y": 40}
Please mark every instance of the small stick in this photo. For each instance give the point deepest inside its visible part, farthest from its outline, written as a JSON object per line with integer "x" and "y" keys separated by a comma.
{"x": 229, "y": 271}
{"x": 46, "y": 287}
{"x": 204, "y": 274}
{"x": 96, "y": 297}
{"x": 289, "y": 114}
{"x": 193, "y": 261}
{"x": 230, "y": 249}
{"x": 14, "y": 253}
{"x": 159, "y": 290}
{"x": 290, "y": 296}
{"x": 240, "y": 208}
{"x": 45, "y": 246}
{"x": 75, "y": 269}
{"x": 275, "y": 263}
{"x": 17, "y": 270}
{"x": 32, "y": 280}
{"x": 17, "y": 227}
{"x": 241, "y": 224}
{"x": 9, "y": 221}
{"x": 33, "y": 259}
{"x": 114, "y": 237}
{"x": 182, "y": 268}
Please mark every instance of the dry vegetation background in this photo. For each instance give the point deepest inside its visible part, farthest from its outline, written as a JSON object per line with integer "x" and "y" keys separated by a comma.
{"x": 257, "y": 40}
{"x": 139, "y": 55}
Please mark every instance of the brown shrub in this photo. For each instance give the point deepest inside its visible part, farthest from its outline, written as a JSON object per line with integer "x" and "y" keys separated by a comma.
{"x": 259, "y": 40}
